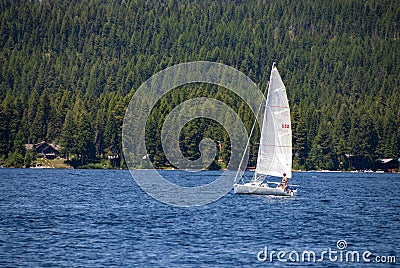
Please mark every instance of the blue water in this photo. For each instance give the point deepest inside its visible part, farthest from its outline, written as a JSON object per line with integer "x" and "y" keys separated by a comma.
{"x": 97, "y": 218}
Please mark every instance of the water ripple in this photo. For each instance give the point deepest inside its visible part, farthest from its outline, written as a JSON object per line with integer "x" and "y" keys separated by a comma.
{"x": 91, "y": 218}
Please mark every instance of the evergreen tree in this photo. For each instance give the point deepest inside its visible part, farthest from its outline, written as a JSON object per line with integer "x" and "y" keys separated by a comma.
{"x": 68, "y": 135}
{"x": 5, "y": 135}
{"x": 41, "y": 121}
{"x": 84, "y": 138}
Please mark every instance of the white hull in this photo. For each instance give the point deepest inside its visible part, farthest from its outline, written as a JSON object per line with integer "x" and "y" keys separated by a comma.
{"x": 261, "y": 189}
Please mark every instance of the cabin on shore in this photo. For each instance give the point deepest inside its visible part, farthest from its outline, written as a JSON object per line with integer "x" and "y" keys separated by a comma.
{"x": 365, "y": 163}
{"x": 354, "y": 162}
{"x": 43, "y": 149}
{"x": 387, "y": 164}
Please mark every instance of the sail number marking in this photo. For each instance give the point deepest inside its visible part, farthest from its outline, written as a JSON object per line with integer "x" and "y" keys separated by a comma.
{"x": 285, "y": 126}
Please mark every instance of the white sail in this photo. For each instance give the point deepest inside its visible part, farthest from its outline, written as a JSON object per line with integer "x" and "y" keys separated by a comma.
{"x": 275, "y": 150}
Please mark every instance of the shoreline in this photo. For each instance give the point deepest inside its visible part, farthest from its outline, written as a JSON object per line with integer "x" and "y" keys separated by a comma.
{"x": 66, "y": 167}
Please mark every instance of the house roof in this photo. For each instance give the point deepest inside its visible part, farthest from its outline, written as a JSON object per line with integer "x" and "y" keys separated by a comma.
{"x": 44, "y": 146}
{"x": 384, "y": 160}
{"x": 42, "y": 143}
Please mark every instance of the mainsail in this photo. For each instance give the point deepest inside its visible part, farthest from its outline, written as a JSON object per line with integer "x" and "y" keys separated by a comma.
{"x": 275, "y": 150}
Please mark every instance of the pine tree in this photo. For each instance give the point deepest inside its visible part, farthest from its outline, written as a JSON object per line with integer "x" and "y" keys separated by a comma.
{"x": 68, "y": 135}
{"x": 5, "y": 134}
{"x": 41, "y": 121}
{"x": 85, "y": 138}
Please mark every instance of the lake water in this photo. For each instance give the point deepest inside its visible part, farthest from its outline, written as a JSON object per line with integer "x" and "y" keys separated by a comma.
{"x": 97, "y": 218}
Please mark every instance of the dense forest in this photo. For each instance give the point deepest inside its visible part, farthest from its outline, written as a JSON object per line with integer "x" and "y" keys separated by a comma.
{"x": 69, "y": 68}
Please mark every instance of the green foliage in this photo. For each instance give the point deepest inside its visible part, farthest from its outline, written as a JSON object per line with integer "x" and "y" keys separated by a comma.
{"x": 68, "y": 133}
{"x": 28, "y": 159}
{"x": 68, "y": 71}
{"x": 14, "y": 159}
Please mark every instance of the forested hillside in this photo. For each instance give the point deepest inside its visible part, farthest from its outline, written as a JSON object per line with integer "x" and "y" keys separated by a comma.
{"x": 69, "y": 68}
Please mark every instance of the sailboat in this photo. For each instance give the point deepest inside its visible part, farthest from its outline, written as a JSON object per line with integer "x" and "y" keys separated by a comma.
{"x": 275, "y": 149}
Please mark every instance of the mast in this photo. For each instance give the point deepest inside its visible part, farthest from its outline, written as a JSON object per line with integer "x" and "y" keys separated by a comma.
{"x": 248, "y": 140}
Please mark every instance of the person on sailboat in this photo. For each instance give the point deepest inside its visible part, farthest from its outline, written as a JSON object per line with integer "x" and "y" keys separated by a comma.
{"x": 284, "y": 182}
